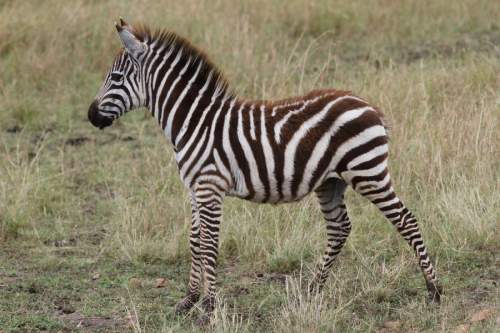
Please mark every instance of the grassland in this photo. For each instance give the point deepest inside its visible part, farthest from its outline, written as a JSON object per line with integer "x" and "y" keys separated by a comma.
{"x": 89, "y": 220}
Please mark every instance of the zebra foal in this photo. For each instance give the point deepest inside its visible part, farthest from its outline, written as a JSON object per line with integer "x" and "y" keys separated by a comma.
{"x": 263, "y": 151}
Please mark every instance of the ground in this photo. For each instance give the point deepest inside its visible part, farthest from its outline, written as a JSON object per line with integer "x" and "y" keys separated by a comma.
{"x": 94, "y": 224}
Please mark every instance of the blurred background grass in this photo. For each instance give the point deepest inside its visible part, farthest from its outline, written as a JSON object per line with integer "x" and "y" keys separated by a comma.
{"x": 75, "y": 201}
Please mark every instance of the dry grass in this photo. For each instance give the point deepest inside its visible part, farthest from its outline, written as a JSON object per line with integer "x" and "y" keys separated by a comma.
{"x": 114, "y": 196}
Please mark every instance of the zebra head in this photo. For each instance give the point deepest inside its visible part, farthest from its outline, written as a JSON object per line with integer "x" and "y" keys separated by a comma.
{"x": 122, "y": 89}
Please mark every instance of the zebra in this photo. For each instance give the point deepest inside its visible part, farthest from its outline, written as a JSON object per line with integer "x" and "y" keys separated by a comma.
{"x": 261, "y": 151}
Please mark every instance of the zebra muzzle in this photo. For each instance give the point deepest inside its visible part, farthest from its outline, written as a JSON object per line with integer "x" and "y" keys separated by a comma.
{"x": 96, "y": 118}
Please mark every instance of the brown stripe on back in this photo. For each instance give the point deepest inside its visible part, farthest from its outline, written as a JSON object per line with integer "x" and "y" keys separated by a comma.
{"x": 296, "y": 120}
{"x": 307, "y": 144}
{"x": 310, "y": 95}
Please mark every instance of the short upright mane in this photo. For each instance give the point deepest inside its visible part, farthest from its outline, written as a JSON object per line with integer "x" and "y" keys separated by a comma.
{"x": 170, "y": 39}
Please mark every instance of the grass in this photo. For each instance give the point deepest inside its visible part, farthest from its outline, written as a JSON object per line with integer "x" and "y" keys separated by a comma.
{"x": 89, "y": 219}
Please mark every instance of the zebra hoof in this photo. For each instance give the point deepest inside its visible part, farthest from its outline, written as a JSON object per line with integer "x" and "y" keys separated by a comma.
{"x": 435, "y": 292}
{"x": 315, "y": 287}
{"x": 186, "y": 304}
{"x": 204, "y": 320}
{"x": 208, "y": 304}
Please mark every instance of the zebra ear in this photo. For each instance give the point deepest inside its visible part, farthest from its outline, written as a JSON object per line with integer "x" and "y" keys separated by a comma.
{"x": 131, "y": 44}
{"x": 124, "y": 24}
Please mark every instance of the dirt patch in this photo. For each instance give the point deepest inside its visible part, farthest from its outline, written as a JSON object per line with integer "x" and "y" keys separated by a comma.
{"x": 64, "y": 306}
{"x": 239, "y": 291}
{"x": 272, "y": 277}
{"x": 61, "y": 242}
{"x": 128, "y": 138}
{"x": 7, "y": 281}
{"x": 480, "y": 294}
{"x": 39, "y": 137}
{"x": 14, "y": 129}
{"x": 80, "y": 321}
{"x": 78, "y": 141}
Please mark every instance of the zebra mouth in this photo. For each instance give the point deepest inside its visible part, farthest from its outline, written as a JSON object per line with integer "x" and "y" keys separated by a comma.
{"x": 96, "y": 118}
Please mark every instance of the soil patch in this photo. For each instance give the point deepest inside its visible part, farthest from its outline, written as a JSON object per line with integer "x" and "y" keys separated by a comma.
{"x": 78, "y": 141}
{"x": 80, "y": 321}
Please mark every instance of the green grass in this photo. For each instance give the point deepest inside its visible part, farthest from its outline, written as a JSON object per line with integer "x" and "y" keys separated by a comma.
{"x": 86, "y": 214}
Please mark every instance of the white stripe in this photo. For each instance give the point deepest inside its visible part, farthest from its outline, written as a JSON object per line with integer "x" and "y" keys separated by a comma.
{"x": 350, "y": 174}
{"x": 187, "y": 163}
{"x": 252, "y": 164}
{"x": 153, "y": 71}
{"x": 186, "y": 122}
{"x": 282, "y": 106}
{"x": 268, "y": 155}
{"x": 375, "y": 183}
{"x": 162, "y": 84}
{"x": 252, "y": 123}
{"x": 171, "y": 88}
{"x": 388, "y": 203}
{"x": 240, "y": 185}
{"x": 213, "y": 179}
{"x": 154, "y": 81}
{"x": 222, "y": 167}
{"x": 375, "y": 152}
{"x": 168, "y": 128}
{"x": 209, "y": 167}
{"x": 160, "y": 65}
{"x": 180, "y": 154}
{"x": 208, "y": 147}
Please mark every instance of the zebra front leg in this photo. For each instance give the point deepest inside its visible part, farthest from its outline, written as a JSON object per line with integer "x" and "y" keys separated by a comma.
{"x": 338, "y": 227}
{"x": 210, "y": 211}
{"x": 193, "y": 293}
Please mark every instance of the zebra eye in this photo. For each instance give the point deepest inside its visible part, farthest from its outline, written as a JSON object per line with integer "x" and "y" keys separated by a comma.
{"x": 117, "y": 77}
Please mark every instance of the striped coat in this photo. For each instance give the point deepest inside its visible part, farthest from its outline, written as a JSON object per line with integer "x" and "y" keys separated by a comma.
{"x": 263, "y": 151}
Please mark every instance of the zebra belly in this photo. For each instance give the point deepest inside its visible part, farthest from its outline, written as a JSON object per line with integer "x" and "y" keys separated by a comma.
{"x": 279, "y": 193}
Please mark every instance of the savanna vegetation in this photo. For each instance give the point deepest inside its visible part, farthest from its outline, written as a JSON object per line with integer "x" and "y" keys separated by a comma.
{"x": 94, "y": 224}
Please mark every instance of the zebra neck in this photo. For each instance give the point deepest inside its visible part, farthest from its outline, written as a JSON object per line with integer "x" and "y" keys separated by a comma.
{"x": 199, "y": 121}
{"x": 182, "y": 89}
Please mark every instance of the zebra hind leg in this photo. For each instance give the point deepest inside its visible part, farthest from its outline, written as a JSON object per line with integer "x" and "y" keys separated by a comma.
{"x": 379, "y": 191}
{"x": 338, "y": 226}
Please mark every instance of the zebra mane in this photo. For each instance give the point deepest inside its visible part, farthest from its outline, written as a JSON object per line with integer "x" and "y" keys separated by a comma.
{"x": 166, "y": 38}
